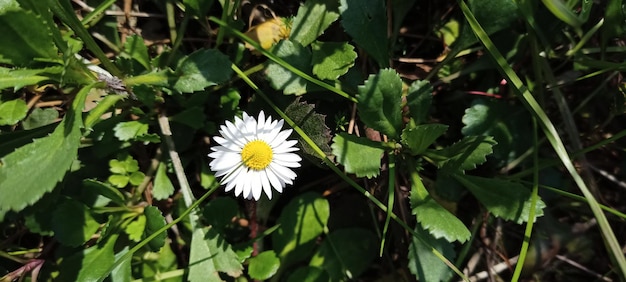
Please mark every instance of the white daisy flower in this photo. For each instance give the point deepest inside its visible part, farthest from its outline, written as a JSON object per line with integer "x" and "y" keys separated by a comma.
{"x": 254, "y": 156}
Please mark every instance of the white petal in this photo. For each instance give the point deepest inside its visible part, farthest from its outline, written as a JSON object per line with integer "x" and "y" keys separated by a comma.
{"x": 256, "y": 183}
{"x": 267, "y": 187}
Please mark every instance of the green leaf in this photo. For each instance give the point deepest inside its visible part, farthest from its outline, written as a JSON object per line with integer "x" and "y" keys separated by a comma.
{"x": 464, "y": 154}
{"x": 11, "y": 112}
{"x": 380, "y": 102}
{"x": 201, "y": 69}
{"x": 418, "y": 99}
{"x": 34, "y": 169}
{"x": 493, "y": 15}
{"x": 418, "y": 139}
{"x": 365, "y": 20}
{"x": 136, "y": 228}
{"x": 27, "y": 39}
{"x": 79, "y": 229}
{"x": 423, "y": 263}
{"x": 9, "y": 141}
{"x": 210, "y": 253}
{"x": 18, "y": 78}
{"x": 505, "y": 199}
{"x": 508, "y": 124}
{"x": 439, "y": 221}
{"x": 123, "y": 272}
{"x": 281, "y": 78}
{"x": 219, "y": 212}
{"x": 105, "y": 190}
{"x": 136, "y": 49}
{"x": 193, "y": 117}
{"x": 136, "y": 178}
{"x": 40, "y": 117}
{"x": 154, "y": 222}
{"x": 119, "y": 181}
{"x": 163, "y": 187}
{"x": 309, "y": 274}
{"x": 346, "y": 253}
{"x": 264, "y": 265}
{"x": 199, "y": 7}
{"x": 129, "y": 130}
{"x": 313, "y": 18}
{"x": 332, "y": 59}
{"x": 358, "y": 155}
{"x": 90, "y": 264}
{"x": 312, "y": 123}
{"x": 300, "y": 223}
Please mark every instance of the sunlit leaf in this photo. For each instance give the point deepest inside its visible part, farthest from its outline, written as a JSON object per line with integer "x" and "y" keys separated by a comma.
{"x": 135, "y": 228}
{"x": 332, "y": 59}
{"x": 128, "y": 130}
{"x": 358, "y": 155}
{"x": 211, "y": 254}
{"x": 300, "y": 223}
{"x": 34, "y": 169}
{"x": 11, "y": 112}
{"x": 264, "y": 265}
{"x": 163, "y": 187}
{"x": 282, "y": 79}
{"x": 440, "y": 222}
{"x": 201, "y": 69}
{"x": 380, "y": 102}
{"x": 312, "y": 19}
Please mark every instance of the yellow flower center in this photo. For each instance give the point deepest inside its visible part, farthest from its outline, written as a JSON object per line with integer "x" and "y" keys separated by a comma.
{"x": 257, "y": 155}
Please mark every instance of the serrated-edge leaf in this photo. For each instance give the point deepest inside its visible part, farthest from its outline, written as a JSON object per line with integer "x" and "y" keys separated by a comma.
{"x": 93, "y": 262}
{"x": 312, "y": 19}
{"x": 312, "y": 123}
{"x": 18, "y": 78}
{"x": 26, "y": 37}
{"x": 154, "y": 222}
{"x": 505, "y": 199}
{"x": 417, "y": 139}
{"x": 440, "y": 222}
{"x": 128, "y": 130}
{"x": 380, "y": 102}
{"x": 358, "y": 155}
{"x": 34, "y": 169}
{"x": 466, "y": 154}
